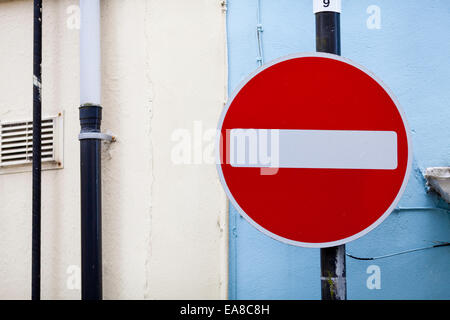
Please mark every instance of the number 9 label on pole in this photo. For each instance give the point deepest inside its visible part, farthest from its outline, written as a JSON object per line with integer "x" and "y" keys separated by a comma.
{"x": 327, "y": 5}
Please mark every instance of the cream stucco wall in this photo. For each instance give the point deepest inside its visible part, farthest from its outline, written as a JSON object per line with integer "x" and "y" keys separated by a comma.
{"x": 164, "y": 224}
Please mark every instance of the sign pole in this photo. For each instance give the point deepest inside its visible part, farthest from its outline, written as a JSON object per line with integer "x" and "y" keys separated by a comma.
{"x": 332, "y": 260}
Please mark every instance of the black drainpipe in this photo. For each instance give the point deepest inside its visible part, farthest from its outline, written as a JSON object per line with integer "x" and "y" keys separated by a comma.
{"x": 91, "y": 204}
{"x": 90, "y": 151}
{"x": 37, "y": 118}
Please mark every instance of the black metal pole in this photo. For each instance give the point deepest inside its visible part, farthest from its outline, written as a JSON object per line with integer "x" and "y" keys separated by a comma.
{"x": 332, "y": 260}
{"x": 91, "y": 205}
{"x": 37, "y": 118}
{"x": 328, "y": 32}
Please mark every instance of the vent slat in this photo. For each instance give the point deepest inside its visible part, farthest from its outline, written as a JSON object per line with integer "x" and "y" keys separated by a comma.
{"x": 7, "y": 125}
{"x": 14, "y": 156}
{"x": 16, "y": 145}
{"x": 17, "y": 142}
{"x": 24, "y": 138}
{"x": 28, "y": 144}
{"x": 25, "y": 150}
{"x": 25, "y": 155}
{"x": 15, "y": 162}
{"x": 24, "y": 127}
{"x": 27, "y": 134}
{"x": 19, "y": 126}
{"x": 46, "y": 136}
{"x": 22, "y": 162}
{"x": 47, "y": 153}
{"x": 15, "y": 134}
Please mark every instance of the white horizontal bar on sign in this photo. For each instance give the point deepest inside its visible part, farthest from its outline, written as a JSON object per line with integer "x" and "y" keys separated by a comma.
{"x": 327, "y": 149}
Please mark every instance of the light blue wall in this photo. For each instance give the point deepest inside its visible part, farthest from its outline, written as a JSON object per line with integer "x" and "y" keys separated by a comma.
{"x": 411, "y": 54}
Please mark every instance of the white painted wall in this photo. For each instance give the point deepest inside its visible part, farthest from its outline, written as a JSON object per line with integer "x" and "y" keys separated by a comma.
{"x": 164, "y": 224}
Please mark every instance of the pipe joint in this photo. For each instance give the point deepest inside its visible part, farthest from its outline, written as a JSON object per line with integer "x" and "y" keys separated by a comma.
{"x": 90, "y": 118}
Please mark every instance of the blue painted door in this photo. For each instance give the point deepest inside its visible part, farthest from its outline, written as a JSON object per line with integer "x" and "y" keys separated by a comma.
{"x": 407, "y": 45}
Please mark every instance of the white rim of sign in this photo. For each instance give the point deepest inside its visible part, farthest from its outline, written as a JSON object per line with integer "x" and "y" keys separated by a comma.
{"x": 312, "y": 244}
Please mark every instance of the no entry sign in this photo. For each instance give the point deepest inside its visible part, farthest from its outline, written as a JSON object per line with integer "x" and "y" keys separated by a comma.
{"x": 313, "y": 150}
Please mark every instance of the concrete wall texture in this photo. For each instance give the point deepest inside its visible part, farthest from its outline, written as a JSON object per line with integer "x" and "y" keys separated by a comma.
{"x": 403, "y": 44}
{"x": 167, "y": 68}
{"x": 164, "y": 223}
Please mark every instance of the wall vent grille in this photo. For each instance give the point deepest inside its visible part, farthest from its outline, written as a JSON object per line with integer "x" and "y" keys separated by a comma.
{"x": 16, "y": 143}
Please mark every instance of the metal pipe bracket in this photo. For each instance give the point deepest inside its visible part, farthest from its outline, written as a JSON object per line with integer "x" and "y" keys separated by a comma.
{"x": 97, "y": 136}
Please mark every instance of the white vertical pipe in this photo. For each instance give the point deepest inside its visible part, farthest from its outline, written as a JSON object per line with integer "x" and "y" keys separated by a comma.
{"x": 90, "y": 61}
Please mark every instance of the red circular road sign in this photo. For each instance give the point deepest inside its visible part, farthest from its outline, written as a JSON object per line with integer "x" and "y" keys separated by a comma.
{"x": 313, "y": 150}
